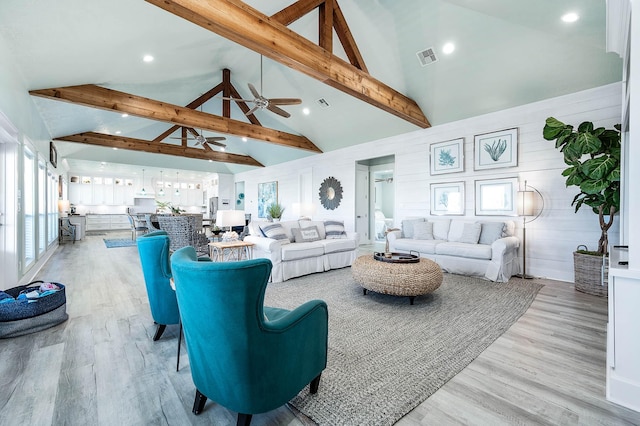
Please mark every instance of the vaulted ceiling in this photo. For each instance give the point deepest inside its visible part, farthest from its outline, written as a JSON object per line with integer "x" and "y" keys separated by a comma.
{"x": 507, "y": 53}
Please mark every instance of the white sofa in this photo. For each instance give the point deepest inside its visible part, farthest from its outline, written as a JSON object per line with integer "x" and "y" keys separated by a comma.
{"x": 486, "y": 249}
{"x": 294, "y": 254}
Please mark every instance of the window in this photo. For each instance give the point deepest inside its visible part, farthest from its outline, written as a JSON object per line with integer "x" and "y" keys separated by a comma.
{"x": 28, "y": 202}
{"x": 42, "y": 208}
{"x": 52, "y": 207}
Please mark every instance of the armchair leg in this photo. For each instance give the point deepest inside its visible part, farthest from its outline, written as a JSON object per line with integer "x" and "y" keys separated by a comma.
{"x": 244, "y": 419}
{"x": 179, "y": 344}
{"x": 198, "y": 404}
{"x": 315, "y": 383}
{"x": 159, "y": 331}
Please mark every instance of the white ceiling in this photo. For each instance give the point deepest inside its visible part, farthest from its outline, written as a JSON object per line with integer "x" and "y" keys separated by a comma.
{"x": 508, "y": 53}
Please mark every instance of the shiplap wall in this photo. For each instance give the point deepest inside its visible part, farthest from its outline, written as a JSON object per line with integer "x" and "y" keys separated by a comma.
{"x": 551, "y": 238}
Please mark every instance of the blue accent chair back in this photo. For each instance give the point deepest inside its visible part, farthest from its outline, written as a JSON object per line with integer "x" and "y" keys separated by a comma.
{"x": 156, "y": 268}
{"x": 244, "y": 356}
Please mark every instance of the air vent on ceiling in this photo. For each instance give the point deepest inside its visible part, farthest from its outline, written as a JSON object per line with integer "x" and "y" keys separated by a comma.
{"x": 323, "y": 103}
{"x": 427, "y": 56}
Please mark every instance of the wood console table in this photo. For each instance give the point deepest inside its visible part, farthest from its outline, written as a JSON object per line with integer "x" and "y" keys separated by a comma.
{"x": 225, "y": 251}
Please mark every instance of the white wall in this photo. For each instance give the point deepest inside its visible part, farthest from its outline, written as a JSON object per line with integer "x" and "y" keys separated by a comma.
{"x": 551, "y": 239}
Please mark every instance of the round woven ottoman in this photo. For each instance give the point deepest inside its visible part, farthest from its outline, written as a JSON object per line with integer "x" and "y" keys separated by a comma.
{"x": 397, "y": 279}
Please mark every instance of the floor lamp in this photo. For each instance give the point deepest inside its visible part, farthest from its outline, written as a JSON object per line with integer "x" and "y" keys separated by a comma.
{"x": 527, "y": 208}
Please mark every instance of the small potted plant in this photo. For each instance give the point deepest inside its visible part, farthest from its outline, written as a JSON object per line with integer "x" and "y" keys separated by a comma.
{"x": 275, "y": 211}
{"x": 593, "y": 159}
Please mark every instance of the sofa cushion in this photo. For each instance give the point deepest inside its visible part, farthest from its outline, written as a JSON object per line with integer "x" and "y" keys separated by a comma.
{"x": 305, "y": 235}
{"x": 334, "y": 229}
{"x": 423, "y": 231}
{"x": 275, "y": 231}
{"x": 441, "y": 228}
{"x": 491, "y": 231}
{"x": 474, "y": 251}
{"x": 338, "y": 245}
{"x": 317, "y": 223}
{"x": 302, "y": 250}
{"x": 470, "y": 233}
{"x": 407, "y": 226}
{"x": 422, "y": 246}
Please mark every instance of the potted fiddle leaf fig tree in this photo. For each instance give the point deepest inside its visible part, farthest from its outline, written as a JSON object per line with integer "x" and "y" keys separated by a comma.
{"x": 593, "y": 159}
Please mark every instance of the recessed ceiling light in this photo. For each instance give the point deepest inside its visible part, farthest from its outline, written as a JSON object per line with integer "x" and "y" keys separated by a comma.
{"x": 125, "y": 115}
{"x": 115, "y": 149}
{"x": 118, "y": 132}
{"x": 244, "y": 139}
{"x": 570, "y": 17}
{"x": 448, "y": 48}
{"x": 222, "y": 148}
{"x": 211, "y": 161}
{"x": 306, "y": 111}
{"x": 147, "y": 58}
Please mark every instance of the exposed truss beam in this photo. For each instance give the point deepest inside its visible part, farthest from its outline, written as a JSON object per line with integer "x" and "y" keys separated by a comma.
{"x": 330, "y": 18}
{"x": 132, "y": 144}
{"x": 245, "y": 25}
{"x": 112, "y": 100}
{"x": 228, "y": 91}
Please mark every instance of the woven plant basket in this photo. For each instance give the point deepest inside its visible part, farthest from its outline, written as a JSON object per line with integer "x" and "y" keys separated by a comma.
{"x": 591, "y": 274}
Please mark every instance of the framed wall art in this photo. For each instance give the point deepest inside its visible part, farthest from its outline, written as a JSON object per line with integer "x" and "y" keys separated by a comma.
{"x": 267, "y": 195}
{"x": 497, "y": 149}
{"x": 496, "y": 197}
{"x": 53, "y": 155}
{"x": 447, "y": 157}
{"x": 447, "y": 198}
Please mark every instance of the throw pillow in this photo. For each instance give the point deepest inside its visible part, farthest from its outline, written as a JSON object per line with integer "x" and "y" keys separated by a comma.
{"x": 305, "y": 235}
{"x": 423, "y": 231}
{"x": 275, "y": 231}
{"x": 407, "y": 227}
{"x": 305, "y": 223}
{"x": 334, "y": 229}
{"x": 491, "y": 231}
{"x": 470, "y": 233}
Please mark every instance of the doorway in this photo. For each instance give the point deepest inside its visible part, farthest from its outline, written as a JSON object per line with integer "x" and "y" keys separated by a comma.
{"x": 375, "y": 198}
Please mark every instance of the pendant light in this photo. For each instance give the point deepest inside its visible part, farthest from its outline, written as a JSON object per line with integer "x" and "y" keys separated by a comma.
{"x": 177, "y": 185}
{"x": 143, "y": 192}
{"x": 161, "y": 192}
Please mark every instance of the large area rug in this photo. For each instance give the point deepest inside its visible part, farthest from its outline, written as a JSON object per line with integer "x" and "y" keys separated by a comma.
{"x": 119, "y": 242}
{"x": 386, "y": 356}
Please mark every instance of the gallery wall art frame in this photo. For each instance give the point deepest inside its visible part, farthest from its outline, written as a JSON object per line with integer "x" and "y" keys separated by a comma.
{"x": 447, "y": 157}
{"x": 496, "y": 197}
{"x": 496, "y": 149}
{"x": 267, "y": 195}
{"x": 447, "y": 198}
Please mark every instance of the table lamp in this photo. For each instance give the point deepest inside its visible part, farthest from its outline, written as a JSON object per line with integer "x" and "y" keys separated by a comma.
{"x": 230, "y": 218}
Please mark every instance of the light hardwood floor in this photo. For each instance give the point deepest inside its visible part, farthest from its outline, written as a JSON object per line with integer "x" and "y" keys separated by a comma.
{"x": 102, "y": 368}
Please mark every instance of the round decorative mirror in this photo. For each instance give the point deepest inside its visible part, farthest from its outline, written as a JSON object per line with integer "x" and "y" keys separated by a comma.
{"x": 330, "y": 193}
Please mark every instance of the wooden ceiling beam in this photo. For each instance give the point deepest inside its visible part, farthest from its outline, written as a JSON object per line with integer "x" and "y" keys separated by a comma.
{"x": 132, "y": 144}
{"x": 227, "y": 89}
{"x": 245, "y": 25}
{"x": 346, "y": 39}
{"x": 295, "y": 11}
{"x": 325, "y": 25}
{"x": 112, "y": 100}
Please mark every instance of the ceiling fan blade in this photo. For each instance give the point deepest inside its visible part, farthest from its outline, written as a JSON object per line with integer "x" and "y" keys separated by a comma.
{"x": 278, "y": 111}
{"x": 285, "y": 101}
{"x": 252, "y": 110}
{"x": 237, "y": 99}
{"x": 216, "y": 143}
{"x": 253, "y": 90}
{"x": 183, "y": 139}
{"x": 215, "y": 138}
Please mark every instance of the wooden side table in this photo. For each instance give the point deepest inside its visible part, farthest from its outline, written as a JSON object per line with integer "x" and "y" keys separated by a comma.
{"x": 225, "y": 251}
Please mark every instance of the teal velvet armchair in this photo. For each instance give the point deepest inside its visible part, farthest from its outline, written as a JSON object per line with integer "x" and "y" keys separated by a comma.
{"x": 154, "y": 258}
{"x": 244, "y": 356}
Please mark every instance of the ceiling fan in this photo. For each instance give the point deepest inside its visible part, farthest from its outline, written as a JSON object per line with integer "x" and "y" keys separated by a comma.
{"x": 271, "y": 104}
{"x": 201, "y": 140}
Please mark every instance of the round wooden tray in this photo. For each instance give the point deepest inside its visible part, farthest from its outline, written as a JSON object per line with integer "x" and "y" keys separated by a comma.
{"x": 396, "y": 257}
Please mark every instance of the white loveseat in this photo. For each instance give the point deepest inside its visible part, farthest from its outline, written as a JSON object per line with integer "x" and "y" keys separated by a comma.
{"x": 486, "y": 249}
{"x": 295, "y": 248}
